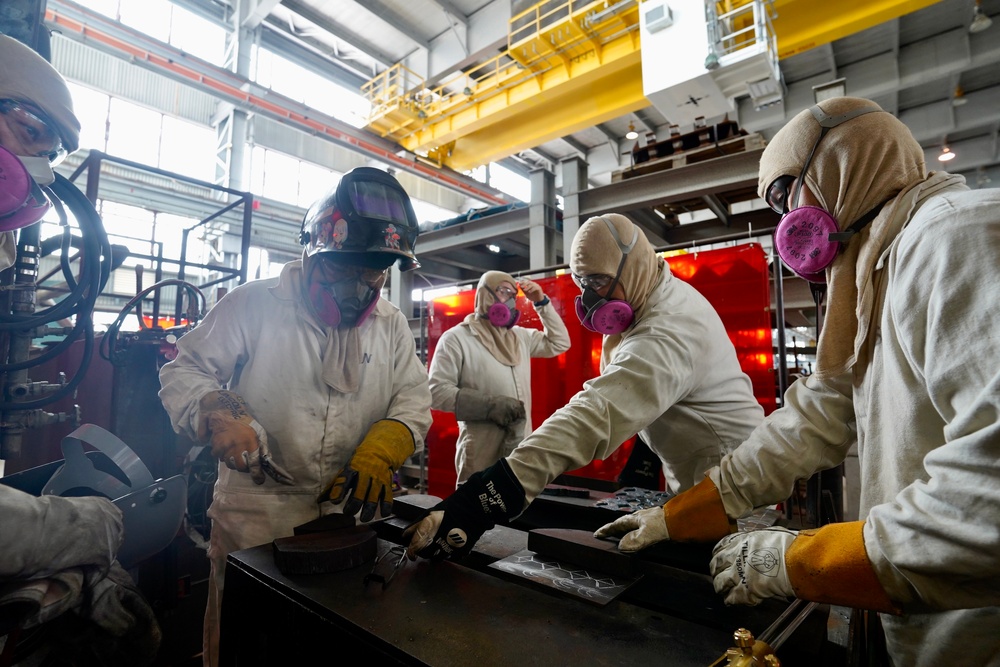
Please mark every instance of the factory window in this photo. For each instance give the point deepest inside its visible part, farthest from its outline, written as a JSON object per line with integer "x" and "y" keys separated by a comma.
{"x": 134, "y": 132}
{"x": 91, "y": 107}
{"x": 505, "y": 180}
{"x": 168, "y": 23}
{"x": 188, "y": 149}
{"x": 309, "y": 88}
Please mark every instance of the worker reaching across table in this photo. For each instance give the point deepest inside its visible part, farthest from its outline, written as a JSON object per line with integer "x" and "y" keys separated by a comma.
{"x": 907, "y": 360}
{"x": 481, "y": 370}
{"x": 668, "y": 372}
{"x": 306, "y": 386}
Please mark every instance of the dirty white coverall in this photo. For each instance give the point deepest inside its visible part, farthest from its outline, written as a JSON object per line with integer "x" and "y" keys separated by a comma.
{"x": 260, "y": 342}
{"x": 674, "y": 379}
{"x": 461, "y": 362}
{"x": 927, "y": 411}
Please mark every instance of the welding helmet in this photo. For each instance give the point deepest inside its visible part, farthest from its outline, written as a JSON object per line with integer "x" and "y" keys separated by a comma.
{"x": 367, "y": 220}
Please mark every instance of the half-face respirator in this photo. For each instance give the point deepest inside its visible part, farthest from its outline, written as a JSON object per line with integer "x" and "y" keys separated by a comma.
{"x": 503, "y": 315}
{"x": 22, "y": 201}
{"x": 808, "y": 238}
{"x": 600, "y": 314}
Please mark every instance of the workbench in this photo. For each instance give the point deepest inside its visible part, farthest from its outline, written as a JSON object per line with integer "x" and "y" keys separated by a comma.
{"x": 448, "y": 613}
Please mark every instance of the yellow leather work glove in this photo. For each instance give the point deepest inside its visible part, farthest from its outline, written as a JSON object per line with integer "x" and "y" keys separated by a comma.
{"x": 368, "y": 475}
{"x": 236, "y": 438}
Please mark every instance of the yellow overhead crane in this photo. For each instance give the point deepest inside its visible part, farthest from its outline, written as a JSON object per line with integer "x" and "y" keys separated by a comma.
{"x": 569, "y": 65}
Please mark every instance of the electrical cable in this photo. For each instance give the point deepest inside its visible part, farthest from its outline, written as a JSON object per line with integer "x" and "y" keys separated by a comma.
{"x": 109, "y": 341}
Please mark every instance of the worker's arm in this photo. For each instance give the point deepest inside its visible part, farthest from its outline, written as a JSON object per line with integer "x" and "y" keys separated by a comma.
{"x": 553, "y": 339}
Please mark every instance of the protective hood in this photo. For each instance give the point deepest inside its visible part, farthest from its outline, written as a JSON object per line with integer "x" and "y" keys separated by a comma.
{"x": 501, "y": 342}
{"x": 27, "y": 77}
{"x": 595, "y": 251}
{"x": 858, "y": 165}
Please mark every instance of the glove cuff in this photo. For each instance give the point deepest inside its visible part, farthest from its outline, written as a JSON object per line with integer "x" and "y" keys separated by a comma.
{"x": 830, "y": 565}
{"x": 471, "y": 405}
{"x": 395, "y": 440}
{"x": 697, "y": 515}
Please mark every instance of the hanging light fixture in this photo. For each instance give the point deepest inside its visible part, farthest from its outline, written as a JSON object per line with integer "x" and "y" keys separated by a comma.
{"x": 980, "y": 21}
{"x": 631, "y": 134}
{"x": 946, "y": 154}
{"x": 958, "y": 97}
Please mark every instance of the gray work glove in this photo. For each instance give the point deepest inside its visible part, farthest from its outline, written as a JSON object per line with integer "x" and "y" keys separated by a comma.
{"x": 638, "y": 530}
{"x": 55, "y": 534}
{"x": 474, "y": 405}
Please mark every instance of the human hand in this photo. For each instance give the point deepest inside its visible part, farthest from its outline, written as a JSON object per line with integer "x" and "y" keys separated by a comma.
{"x": 531, "y": 289}
{"x": 236, "y": 438}
{"x": 505, "y": 410}
{"x": 749, "y": 567}
{"x": 367, "y": 477}
{"x": 638, "y": 530}
{"x": 456, "y": 523}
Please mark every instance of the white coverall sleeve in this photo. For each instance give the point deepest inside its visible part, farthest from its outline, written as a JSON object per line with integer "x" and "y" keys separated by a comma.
{"x": 935, "y": 545}
{"x": 812, "y": 431}
{"x": 207, "y": 357}
{"x": 41, "y": 536}
{"x": 446, "y": 372}
{"x": 646, "y": 376}
{"x": 553, "y": 339}
{"x": 411, "y": 398}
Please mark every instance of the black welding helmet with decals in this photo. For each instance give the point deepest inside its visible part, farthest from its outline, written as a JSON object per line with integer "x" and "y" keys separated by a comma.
{"x": 366, "y": 220}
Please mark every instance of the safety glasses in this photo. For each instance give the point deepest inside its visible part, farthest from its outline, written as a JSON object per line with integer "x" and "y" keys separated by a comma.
{"x": 595, "y": 282}
{"x": 778, "y": 194}
{"x": 36, "y": 133}
{"x": 335, "y": 272}
{"x": 504, "y": 292}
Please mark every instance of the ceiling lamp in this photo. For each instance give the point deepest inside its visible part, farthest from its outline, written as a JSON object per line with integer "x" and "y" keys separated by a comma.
{"x": 958, "y": 97}
{"x": 980, "y": 21}
{"x": 946, "y": 154}
{"x": 631, "y": 134}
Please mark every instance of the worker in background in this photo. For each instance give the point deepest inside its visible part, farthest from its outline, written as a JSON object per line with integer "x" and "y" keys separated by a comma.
{"x": 57, "y": 555}
{"x": 481, "y": 370}
{"x": 907, "y": 360}
{"x": 669, "y": 372}
{"x": 307, "y": 386}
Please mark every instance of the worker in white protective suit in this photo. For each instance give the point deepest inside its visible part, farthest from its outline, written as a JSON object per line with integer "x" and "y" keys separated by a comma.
{"x": 58, "y": 573}
{"x": 308, "y": 387}
{"x": 37, "y": 130}
{"x": 481, "y": 370}
{"x": 669, "y": 372}
{"x": 908, "y": 359}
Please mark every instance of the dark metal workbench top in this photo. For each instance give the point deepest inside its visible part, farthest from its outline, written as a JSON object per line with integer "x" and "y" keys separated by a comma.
{"x": 442, "y": 614}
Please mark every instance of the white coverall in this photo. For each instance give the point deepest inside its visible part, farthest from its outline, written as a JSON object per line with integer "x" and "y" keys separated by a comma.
{"x": 260, "y": 342}
{"x": 674, "y": 379}
{"x": 461, "y": 362}
{"x": 927, "y": 411}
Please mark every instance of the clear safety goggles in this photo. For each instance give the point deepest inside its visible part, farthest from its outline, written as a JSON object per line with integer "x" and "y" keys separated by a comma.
{"x": 596, "y": 282}
{"x": 334, "y": 272}
{"x": 778, "y": 194}
{"x": 504, "y": 292}
{"x": 36, "y": 133}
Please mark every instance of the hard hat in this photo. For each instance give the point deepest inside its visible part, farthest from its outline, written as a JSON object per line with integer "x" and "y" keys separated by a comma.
{"x": 367, "y": 219}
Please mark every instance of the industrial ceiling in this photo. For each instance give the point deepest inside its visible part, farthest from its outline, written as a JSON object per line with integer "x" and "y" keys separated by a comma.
{"x": 912, "y": 65}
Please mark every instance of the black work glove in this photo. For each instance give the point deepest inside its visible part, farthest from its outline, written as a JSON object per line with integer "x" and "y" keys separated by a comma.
{"x": 455, "y": 524}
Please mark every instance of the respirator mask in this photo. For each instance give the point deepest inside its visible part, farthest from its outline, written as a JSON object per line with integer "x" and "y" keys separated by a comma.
{"x": 808, "y": 238}
{"x": 600, "y": 314}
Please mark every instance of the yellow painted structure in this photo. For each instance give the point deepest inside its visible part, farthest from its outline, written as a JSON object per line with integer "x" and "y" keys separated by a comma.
{"x": 569, "y": 64}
